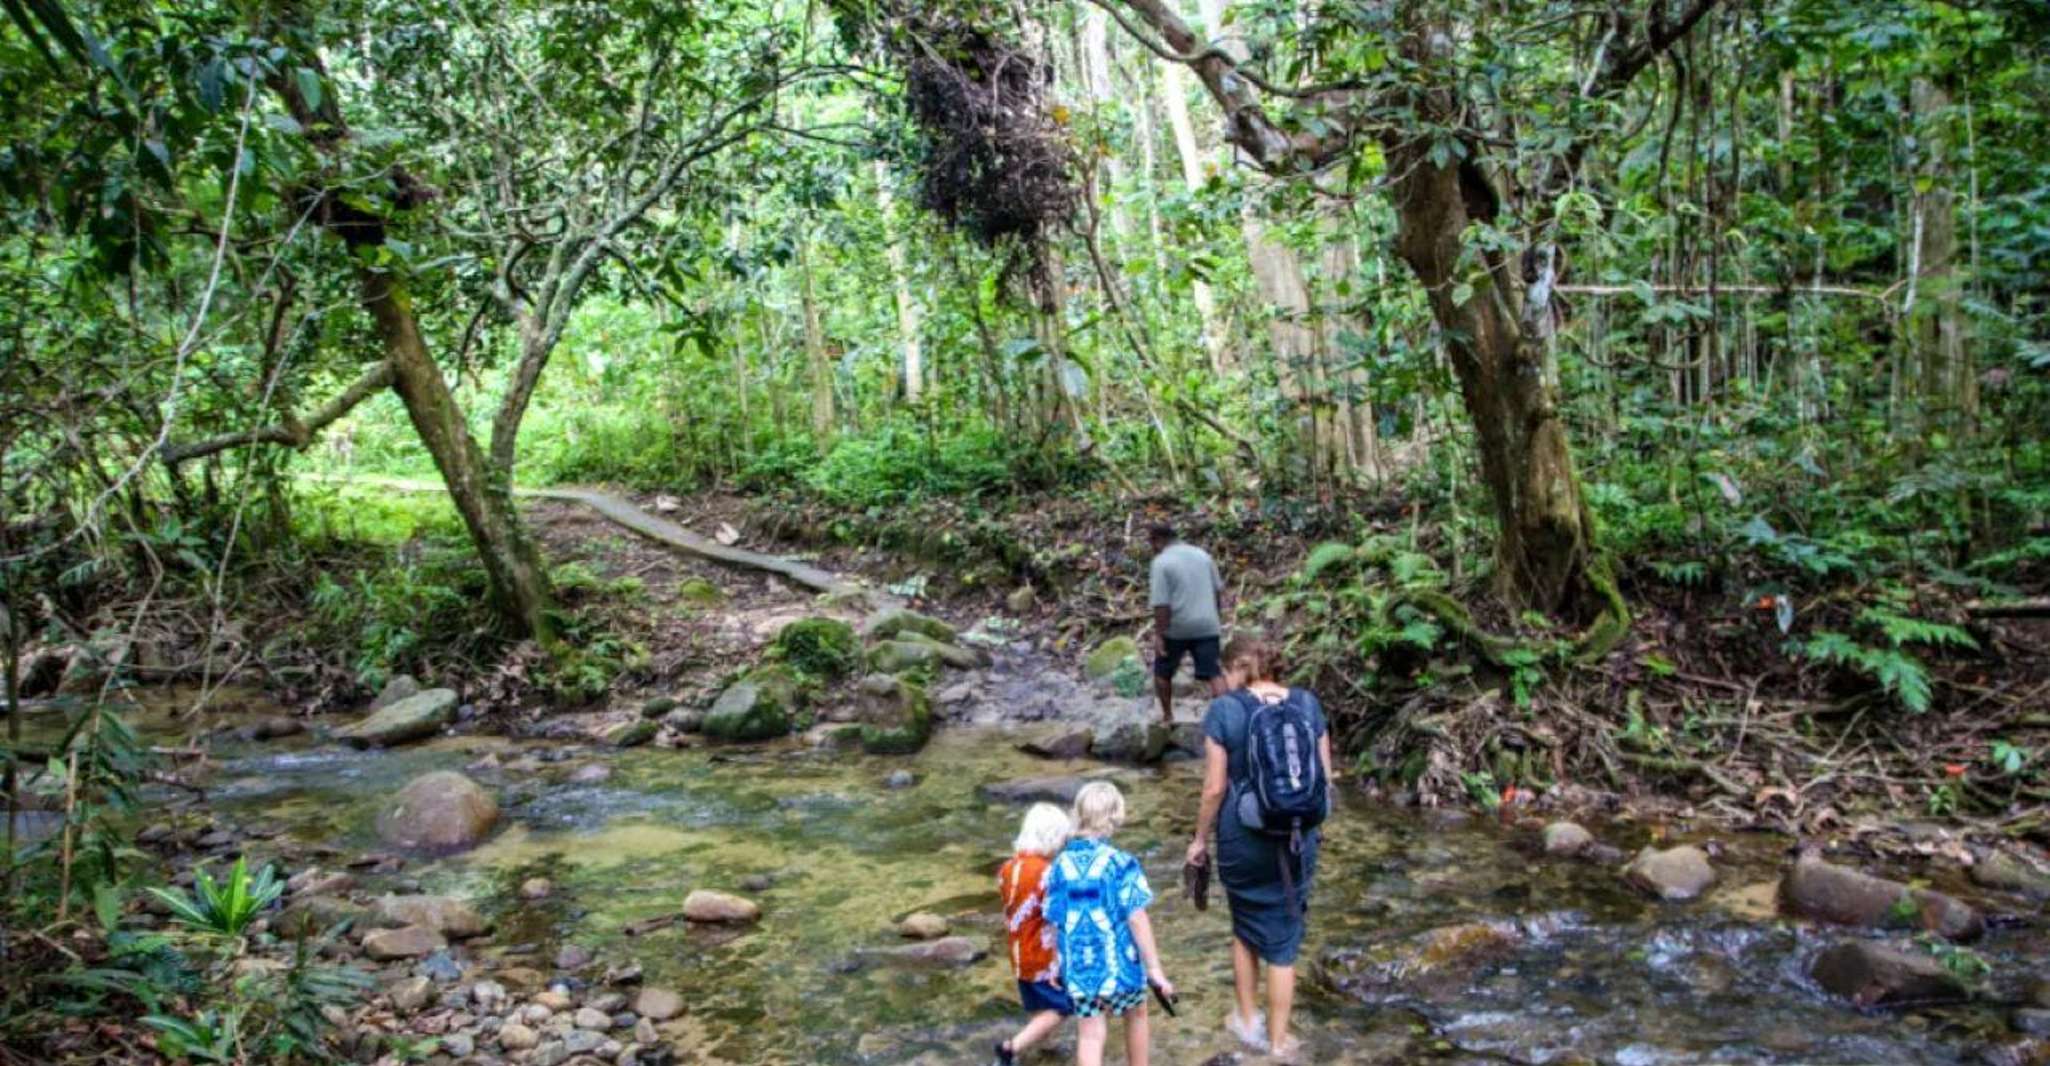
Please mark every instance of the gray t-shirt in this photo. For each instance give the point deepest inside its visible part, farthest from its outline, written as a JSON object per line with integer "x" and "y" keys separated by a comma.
{"x": 1186, "y": 581}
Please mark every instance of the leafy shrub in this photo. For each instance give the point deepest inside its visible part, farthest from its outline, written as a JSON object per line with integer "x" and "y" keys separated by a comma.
{"x": 227, "y": 908}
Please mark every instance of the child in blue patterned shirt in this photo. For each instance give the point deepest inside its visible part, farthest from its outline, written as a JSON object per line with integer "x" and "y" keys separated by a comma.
{"x": 1096, "y": 898}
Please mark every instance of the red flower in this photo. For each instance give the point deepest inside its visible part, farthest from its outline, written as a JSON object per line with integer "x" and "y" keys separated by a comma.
{"x": 1954, "y": 769}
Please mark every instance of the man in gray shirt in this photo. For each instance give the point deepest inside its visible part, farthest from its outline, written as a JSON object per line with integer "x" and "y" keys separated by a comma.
{"x": 1188, "y": 598}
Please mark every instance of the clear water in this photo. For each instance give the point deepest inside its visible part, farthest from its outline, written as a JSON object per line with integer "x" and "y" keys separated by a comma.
{"x": 1431, "y": 939}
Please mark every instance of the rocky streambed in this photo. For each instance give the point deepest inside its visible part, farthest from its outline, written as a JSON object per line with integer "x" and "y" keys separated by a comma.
{"x": 792, "y": 903}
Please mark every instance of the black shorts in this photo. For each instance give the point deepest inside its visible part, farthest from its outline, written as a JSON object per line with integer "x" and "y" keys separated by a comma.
{"x": 1202, "y": 649}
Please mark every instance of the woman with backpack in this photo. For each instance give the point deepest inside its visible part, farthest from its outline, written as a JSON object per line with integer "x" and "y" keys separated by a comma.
{"x": 1266, "y": 790}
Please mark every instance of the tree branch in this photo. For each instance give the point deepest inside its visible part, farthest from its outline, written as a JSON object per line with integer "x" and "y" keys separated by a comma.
{"x": 293, "y": 433}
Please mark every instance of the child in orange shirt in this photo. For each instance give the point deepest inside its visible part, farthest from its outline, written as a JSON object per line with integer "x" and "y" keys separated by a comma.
{"x": 1022, "y": 883}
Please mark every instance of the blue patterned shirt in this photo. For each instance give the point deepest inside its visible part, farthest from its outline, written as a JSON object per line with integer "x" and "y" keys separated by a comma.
{"x": 1091, "y": 893}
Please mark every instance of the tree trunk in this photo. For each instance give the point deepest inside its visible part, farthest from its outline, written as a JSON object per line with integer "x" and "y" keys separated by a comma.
{"x": 520, "y": 589}
{"x": 1947, "y": 388}
{"x": 1174, "y": 91}
{"x": 1508, "y": 382}
{"x": 907, "y": 306}
{"x": 815, "y": 352}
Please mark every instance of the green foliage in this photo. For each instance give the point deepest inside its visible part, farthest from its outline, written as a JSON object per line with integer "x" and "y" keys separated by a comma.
{"x": 227, "y": 908}
{"x": 1897, "y": 672}
{"x": 819, "y": 647}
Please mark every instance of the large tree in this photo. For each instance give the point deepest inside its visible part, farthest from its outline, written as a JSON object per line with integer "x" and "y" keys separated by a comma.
{"x": 1475, "y": 149}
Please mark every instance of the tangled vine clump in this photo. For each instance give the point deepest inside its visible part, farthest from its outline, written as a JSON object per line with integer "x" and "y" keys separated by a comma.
{"x": 995, "y": 162}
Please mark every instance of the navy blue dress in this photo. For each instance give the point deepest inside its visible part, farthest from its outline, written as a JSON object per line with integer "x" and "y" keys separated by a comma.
{"x": 1249, "y": 863}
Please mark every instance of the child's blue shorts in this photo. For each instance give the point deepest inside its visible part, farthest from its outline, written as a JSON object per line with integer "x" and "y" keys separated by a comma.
{"x": 1044, "y": 995}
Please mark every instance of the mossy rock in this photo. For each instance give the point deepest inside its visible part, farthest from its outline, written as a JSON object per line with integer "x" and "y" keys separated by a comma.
{"x": 893, "y": 623}
{"x": 697, "y": 592}
{"x": 904, "y": 656}
{"x": 819, "y": 647}
{"x": 896, "y": 715}
{"x": 954, "y": 655}
{"x": 759, "y": 706}
{"x": 632, "y": 734}
{"x": 1108, "y": 656}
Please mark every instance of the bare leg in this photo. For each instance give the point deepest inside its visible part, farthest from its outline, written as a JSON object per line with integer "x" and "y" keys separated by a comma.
{"x": 1089, "y": 1041}
{"x": 1218, "y": 686}
{"x": 1280, "y": 1001}
{"x": 1035, "y": 1030}
{"x": 1138, "y": 1036}
{"x": 1163, "y": 687}
{"x": 1245, "y": 981}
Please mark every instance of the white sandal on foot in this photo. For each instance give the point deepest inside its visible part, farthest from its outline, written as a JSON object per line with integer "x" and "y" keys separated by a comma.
{"x": 1251, "y": 1032}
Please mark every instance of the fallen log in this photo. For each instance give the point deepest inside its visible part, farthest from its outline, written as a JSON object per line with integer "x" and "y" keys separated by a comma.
{"x": 2031, "y": 607}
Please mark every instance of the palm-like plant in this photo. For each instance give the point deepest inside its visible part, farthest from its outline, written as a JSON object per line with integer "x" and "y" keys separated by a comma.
{"x": 224, "y": 909}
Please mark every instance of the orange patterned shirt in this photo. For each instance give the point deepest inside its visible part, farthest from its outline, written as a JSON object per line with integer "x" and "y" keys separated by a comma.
{"x": 1022, "y": 883}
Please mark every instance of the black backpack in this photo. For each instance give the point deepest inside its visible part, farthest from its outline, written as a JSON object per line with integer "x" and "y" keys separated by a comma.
{"x": 1285, "y": 792}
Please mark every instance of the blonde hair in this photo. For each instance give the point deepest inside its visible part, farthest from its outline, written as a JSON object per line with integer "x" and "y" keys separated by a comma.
{"x": 1045, "y": 831}
{"x": 1099, "y": 809}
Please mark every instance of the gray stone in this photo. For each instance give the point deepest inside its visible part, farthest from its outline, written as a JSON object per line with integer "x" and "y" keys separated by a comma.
{"x": 414, "y": 718}
{"x": 944, "y": 952}
{"x": 488, "y": 996}
{"x": 1878, "y": 975}
{"x": 923, "y": 926}
{"x": 442, "y": 811}
{"x": 1058, "y": 742}
{"x": 459, "y": 1046}
{"x": 684, "y": 720}
{"x": 409, "y": 994}
{"x": 714, "y": 908}
{"x": 1825, "y": 892}
{"x": 552, "y": 1053}
{"x": 1186, "y": 738}
{"x": 401, "y": 687}
{"x": 1133, "y": 742}
{"x": 409, "y": 942}
{"x": 2007, "y": 872}
{"x": 904, "y": 656}
{"x": 583, "y": 1041}
{"x": 440, "y": 967}
{"x": 450, "y": 917}
{"x": 658, "y": 1004}
{"x": 2032, "y": 1021}
{"x": 1058, "y": 789}
{"x": 1679, "y": 873}
{"x": 593, "y": 1018}
{"x": 572, "y": 957}
{"x": 900, "y": 779}
{"x": 1566, "y": 838}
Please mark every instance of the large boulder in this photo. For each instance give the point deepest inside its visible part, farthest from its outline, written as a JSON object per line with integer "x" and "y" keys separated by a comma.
{"x": 819, "y": 647}
{"x": 896, "y": 716}
{"x": 1880, "y": 975}
{"x": 1058, "y": 742}
{"x": 1108, "y": 656}
{"x": 923, "y": 925}
{"x": 1679, "y": 873}
{"x": 707, "y": 907}
{"x": 442, "y": 811}
{"x": 416, "y": 717}
{"x": 1060, "y": 788}
{"x": 759, "y": 706}
{"x": 1824, "y": 892}
{"x": 1134, "y": 742}
{"x": 446, "y": 915}
{"x": 891, "y": 624}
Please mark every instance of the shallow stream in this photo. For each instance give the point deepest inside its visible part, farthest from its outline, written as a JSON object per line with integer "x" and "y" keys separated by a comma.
{"x": 1433, "y": 937}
